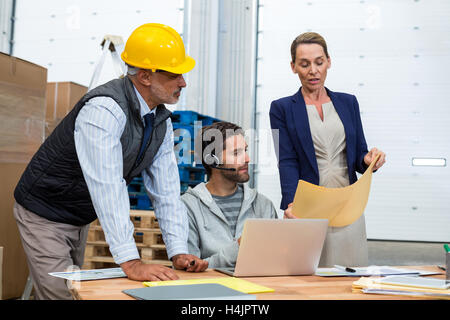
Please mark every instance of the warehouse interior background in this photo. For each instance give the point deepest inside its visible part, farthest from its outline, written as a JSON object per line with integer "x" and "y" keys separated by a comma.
{"x": 393, "y": 55}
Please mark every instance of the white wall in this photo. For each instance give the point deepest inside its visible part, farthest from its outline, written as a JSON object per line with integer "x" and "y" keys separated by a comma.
{"x": 222, "y": 36}
{"x": 65, "y": 36}
{"x": 6, "y": 9}
{"x": 395, "y": 57}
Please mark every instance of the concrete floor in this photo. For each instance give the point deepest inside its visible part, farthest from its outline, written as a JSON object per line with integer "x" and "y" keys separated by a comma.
{"x": 399, "y": 253}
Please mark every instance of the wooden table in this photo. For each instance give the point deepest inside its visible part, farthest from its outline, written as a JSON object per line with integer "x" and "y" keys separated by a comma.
{"x": 286, "y": 288}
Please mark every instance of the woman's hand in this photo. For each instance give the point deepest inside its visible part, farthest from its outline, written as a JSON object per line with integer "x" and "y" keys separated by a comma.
{"x": 371, "y": 155}
{"x": 288, "y": 212}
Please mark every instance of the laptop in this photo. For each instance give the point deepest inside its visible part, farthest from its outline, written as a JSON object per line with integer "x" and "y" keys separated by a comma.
{"x": 279, "y": 247}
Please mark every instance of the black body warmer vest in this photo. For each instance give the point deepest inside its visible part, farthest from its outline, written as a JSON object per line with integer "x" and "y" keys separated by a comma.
{"x": 53, "y": 186}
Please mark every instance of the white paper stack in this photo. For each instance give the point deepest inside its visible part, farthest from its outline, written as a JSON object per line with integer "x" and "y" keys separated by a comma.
{"x": 405, "y": 286}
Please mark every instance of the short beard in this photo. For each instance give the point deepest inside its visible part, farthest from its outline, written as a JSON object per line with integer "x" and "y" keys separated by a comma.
{"x": 235, "y": 176}
{"x": 160, "y": 95}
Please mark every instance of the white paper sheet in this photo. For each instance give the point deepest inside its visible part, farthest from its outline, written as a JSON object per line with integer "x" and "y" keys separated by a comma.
{"x": 94, "y": 274}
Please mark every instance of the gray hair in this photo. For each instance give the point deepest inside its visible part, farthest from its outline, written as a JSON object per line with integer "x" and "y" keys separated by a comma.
{"x": 132, "y": 71}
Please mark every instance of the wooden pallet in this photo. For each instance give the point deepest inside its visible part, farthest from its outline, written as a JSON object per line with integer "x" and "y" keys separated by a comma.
{"x": 98, "y": 262}
{"x": 140, "y": 219}
{"x": 144, "y": 236}
{"x": 147, "y": 236}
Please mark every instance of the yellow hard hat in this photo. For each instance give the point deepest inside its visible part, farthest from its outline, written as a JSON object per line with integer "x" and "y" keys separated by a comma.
{"x": 157, "y": 46}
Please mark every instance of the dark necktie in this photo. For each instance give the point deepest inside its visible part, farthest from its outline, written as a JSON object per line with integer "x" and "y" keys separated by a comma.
{"x": 148, "y": 119}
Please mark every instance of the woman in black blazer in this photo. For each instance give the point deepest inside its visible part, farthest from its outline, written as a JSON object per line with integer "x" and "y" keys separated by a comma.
{"x": 321, "y": 140}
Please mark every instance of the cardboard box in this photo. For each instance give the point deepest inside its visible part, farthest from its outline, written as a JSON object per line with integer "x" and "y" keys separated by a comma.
{"x": 22, "y": 108}
{"x": 22, "y": 121}
{"x": 1, "y": 271}
{"x": 15, "y": 268}
{"x": 61, "y": 98}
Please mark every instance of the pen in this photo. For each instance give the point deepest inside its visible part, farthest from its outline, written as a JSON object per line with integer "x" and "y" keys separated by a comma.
{"x": 347, "y": 269}
{"x": 441, "y": 267}
{"x": 447, "y": 248}
{"x": 190, "y": 265}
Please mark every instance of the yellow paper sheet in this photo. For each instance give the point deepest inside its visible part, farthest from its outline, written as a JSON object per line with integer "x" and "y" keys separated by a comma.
{"x": 341, "y": 206}
{"x": 230, "y": 282}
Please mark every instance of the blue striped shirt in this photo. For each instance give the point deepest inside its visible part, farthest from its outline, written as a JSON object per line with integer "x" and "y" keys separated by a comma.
{"x": 98, "y": 128}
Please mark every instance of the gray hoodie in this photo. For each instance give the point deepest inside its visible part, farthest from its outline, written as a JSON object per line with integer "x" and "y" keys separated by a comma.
{"x": 210, "y": 237}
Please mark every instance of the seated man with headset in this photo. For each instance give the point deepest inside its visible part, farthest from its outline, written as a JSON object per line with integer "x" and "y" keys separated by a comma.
{"x": 217, "y": 209}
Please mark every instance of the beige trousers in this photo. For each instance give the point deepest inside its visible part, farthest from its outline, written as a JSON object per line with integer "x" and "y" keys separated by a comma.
{"x": 50, "y": 247}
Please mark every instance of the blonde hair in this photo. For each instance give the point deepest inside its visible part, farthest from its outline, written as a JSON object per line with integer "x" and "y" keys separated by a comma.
{"x": 308, "y": 37}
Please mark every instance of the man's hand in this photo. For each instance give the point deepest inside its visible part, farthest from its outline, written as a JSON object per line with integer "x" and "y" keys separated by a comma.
{"x": 137, "y": 270}
{"x": 189, "y": 263}
{"x": 371, "y": 155}
{"x": 288, "y": 212}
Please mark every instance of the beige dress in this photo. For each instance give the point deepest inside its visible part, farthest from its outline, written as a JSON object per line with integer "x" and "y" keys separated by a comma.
{"x": 343, "y": 245}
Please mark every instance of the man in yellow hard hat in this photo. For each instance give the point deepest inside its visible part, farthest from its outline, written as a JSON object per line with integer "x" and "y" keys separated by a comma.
{"x": 116, "y": 132}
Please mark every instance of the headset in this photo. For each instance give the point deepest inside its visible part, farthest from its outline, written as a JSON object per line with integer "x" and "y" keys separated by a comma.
{"x": 215, "y": 162}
